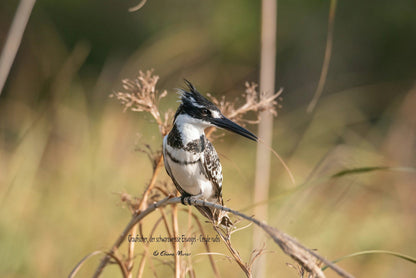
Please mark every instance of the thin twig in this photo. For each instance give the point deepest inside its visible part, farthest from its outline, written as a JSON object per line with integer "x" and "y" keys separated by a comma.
{"x": 141, "y": 205}
{"x": 152, "y": 183}
{"x": 14, "y": 38}
{"x": 189, "y": 267}
{"x": 233, "y": 252}
{"x": 211, "y": 259}
{"x": 327, "y": 57}
{"x": 112, "y": 255}
{"x": 130, "y": 252}
{"x": 175, "y": 243}
{"x": 134, "y": 220}
{"x": 138, "y": 6}
{"x": 146, "y": 250}
{"x": 165, "y": 221}
{"x": 131, "y": 246}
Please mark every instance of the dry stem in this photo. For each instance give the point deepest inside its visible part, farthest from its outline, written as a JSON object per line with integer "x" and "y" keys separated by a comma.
{"x": 302, "y": 255}
{"x": 14, "y": 38}
{"x": 211, "y": 259}
{"x": 141, "y": 206}
{"x": 175, "y": 243}
{"x": 327, "y": 57}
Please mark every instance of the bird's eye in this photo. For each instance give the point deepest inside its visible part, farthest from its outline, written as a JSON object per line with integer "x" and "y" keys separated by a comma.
{"x": 205, "y": 112}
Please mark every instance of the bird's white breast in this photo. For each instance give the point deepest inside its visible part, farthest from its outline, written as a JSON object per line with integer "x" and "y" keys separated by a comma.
{"x": 188, "y": 174}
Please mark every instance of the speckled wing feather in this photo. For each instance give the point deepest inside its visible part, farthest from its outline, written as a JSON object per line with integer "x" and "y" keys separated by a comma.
{"x": 213, "y": 171}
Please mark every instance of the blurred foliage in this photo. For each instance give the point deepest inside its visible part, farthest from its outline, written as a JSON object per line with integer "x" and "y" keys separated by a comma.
{"x": 66, "y": 148}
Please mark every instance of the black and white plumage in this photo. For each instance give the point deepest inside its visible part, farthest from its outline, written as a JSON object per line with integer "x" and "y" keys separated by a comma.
{"x": 190, "y": 159}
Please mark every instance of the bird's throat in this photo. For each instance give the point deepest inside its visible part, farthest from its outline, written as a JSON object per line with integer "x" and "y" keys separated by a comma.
{"x": 187, "y": 130}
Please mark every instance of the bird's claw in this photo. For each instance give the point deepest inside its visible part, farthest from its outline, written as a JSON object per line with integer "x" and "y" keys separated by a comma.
{"x": 186, "y": 200}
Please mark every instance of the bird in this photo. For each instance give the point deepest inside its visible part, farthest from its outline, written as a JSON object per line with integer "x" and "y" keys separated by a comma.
{"x": 190, "y": 159}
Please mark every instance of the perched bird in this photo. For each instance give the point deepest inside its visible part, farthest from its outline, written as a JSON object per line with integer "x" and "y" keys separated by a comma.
{"x": 190, "y": 159}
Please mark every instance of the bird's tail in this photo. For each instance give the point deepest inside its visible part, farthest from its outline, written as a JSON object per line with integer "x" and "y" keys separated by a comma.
{"x": 217, "y": 216}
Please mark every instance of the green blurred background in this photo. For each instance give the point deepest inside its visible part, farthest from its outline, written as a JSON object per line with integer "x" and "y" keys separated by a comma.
{"x": 66, "y": 149}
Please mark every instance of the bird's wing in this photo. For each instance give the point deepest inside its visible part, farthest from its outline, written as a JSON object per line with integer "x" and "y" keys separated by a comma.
{"x": 211, "y": 167}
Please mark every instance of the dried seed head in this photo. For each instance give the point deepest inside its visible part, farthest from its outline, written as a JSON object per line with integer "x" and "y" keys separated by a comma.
{"x": 254, "y": 102}
{"x": 140, "y": 95}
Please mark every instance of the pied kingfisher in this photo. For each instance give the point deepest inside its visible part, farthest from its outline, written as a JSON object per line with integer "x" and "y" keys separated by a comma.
{"x": 190, "y": 159}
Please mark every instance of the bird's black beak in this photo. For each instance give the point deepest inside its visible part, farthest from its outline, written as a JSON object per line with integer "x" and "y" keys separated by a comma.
{"x": 227, "y": 124}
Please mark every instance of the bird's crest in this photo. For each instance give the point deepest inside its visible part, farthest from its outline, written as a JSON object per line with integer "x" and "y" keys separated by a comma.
{"x": 193, "y": 97}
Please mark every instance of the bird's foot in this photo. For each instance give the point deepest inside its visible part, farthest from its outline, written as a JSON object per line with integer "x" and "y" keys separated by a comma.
{"x": 186, "y": 199}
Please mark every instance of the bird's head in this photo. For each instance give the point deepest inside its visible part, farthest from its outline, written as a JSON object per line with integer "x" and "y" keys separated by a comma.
{"x": 199, "y": 111}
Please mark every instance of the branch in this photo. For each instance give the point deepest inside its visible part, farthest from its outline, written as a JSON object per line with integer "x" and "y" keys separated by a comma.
{"x": 289, "y": 245}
